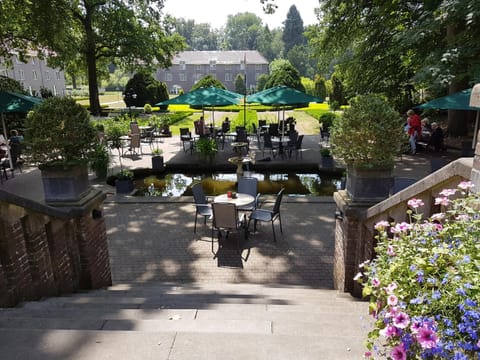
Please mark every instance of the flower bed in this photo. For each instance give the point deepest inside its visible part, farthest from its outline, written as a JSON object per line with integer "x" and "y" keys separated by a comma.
{"x": 424, "y": 284}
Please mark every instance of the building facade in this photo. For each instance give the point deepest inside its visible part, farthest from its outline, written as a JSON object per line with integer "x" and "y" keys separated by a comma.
{"x": 34, "y": 74}
{"x": 190, "y": 66}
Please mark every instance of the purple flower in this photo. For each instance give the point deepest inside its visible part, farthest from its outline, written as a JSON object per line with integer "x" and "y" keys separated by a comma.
{"x": 398, "y": 353}
{"x": 427, "y": 338}
{"x": 415, "y": 203}
{"x": 389, "y": 331}
{"x": 375, "y": 282}
{"x": 390, "y": 251}
{"x": 401, "y": 320}
{"x": 381, "y": 225}
{"x": 402, "y": 227}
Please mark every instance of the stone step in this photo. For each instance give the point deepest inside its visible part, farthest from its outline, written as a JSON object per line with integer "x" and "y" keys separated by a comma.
{"x": 86, "y": 345}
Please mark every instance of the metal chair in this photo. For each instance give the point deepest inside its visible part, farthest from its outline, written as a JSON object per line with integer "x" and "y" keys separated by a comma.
{"x": 135, "y": 143}
{"x": 186, "y": 137}
{"x": 268, "y": 144}
{"x": 248, "y": 185}
{"x": 226, "y": 221}
{"x": 202, "y": 207}
{"x": 297, "y": 147}
{"x": 268, "y": 215}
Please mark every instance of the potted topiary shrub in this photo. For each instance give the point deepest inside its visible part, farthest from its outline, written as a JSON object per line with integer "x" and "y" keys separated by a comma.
{"x": 368, "y": 137}
{"x": 157, "y": 159}
{"x": 99, "y": 161}
{"x": 327, "y": 159}
{"x": 60, "y": 139}
{"x": 124, "y": 182}
{"x": 207, "y": 147}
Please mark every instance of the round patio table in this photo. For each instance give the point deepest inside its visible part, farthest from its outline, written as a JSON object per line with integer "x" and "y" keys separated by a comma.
{"x": 240, "y": 200}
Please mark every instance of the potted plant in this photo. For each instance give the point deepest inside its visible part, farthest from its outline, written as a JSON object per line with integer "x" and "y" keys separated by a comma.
{"x": 124, "y": 182}
{"x": 207, "y": 147}
{"x": 368, "y": 137}
{"x": 157, "y": 159}
{"x": 327, "y": 159}
{"x": 60, "y": 138}
{"x": 99, "y": 161}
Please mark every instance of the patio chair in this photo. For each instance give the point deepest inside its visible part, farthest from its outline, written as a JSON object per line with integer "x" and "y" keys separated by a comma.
{"x": 186, "y": 137}
{"x": 226, "y": 221}
{"x": 268, "y": 144}
{"x": 295, "y": 146}
{"x": 135, "y": 144}
{"x": 248, "y": 185}
{"x": 202, "y": 207}
{"x": 268, "y": 215}
{"x": 273, "y": 130}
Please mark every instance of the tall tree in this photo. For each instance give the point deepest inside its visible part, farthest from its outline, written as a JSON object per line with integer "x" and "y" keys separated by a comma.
{"x": 293, "y": 29}
{"x": 131, "y": 33}
{"x": 283, "y": 73}
{"x": 242, "y": 31}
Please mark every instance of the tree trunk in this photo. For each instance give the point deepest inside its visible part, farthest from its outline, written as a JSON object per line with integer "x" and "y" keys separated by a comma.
{"x": 91, "y": 64}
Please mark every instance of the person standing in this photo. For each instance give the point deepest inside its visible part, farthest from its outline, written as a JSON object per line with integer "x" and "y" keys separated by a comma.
{"x": 414, "y": 129}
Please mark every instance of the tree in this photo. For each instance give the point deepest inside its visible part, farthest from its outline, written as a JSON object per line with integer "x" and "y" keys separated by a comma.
{"x": 240, "y": 84}
{"x": 9, "y": 84}
{"x": 242, "y": 31}
{"x": 337, "y": 96}
{"x": 197, "y": 36}
{"x": 320, "y": 87}
{"x": 207, "y": 81}
{"x": 143, "y": 89}
{"x": 261, "y": 82}
{"x": 283, "y": 73}
{"x": 131, "y": 33}
{"x": 293, "y": 29}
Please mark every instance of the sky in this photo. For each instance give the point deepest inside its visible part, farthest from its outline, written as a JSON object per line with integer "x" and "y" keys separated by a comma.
{"x": 215, "y": 12}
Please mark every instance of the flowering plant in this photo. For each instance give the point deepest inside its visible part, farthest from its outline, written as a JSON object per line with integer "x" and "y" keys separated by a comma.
{"x": 424, "y": 284}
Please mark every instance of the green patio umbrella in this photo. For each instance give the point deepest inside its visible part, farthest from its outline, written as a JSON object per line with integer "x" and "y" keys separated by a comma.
{"x": 205, "y": 96}
{"x": 11, "y": 102}
{"x": 457, "y": 101}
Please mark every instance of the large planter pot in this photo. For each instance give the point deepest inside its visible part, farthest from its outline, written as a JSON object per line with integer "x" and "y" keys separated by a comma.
{"x": 65, "y": 184}
{"x": 368, "y": 185}
{"x": 157, "y": 162}
{"x": 327, "y": 162}
{"x": 124, "y": 186}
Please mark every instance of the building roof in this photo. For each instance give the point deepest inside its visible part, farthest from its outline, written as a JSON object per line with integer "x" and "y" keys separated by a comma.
{"x": 220, "y": 57}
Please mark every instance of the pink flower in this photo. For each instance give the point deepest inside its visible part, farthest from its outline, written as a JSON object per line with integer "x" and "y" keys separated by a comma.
{"x": 465, "y": 185}
{"x": 381, "y": 225}
{"x": 375, "y": 282}
{"x": 368, "y": 354}
{"x": 392, "y": 300}
{"x": 391, "y": 288}
{"x": 439, "y": 227}
{"x": 390, "y": 250}
{"x": 401, "y": 320}
{"x": 462, "y": 217}
{"x": 437, "y": 217}
{"x": 398, "y": 353}
{"x": 442, "y": 201}
{"x": 415, "y": 327}
{"x": 448, "y": 192}
{"x": 415, "y": 203}
{"x": 402, "y": 227}
{"x": 427, "y": 338}
{"x": 358, "y": 276}
{"x": 389, "y": 331}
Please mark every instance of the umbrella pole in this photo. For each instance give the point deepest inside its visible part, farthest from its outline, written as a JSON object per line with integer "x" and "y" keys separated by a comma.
{"x": 475, "y": 134}
{"x": 5, "y": 136}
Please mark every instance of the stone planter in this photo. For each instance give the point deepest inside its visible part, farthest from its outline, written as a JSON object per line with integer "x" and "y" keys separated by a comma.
{"x": 327, "y": 162}
{"x": 157, "y": 162}
{"x": 368, "y": 185}
{"x": 124, "y": 186}
{"x": 65, "y": 184}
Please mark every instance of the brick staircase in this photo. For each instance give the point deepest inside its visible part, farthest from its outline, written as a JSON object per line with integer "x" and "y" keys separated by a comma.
{"x": 204, "y": 321}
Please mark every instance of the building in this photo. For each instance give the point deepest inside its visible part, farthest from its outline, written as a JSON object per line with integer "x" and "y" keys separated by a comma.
{"x": 34, "y": 74}
{"x": 190, "y": 66}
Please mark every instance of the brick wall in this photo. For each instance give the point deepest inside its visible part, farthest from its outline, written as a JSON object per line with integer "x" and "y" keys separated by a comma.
{"x": 42, "y": 255}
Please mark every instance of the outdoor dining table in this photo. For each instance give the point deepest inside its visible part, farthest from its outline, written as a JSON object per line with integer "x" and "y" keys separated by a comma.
{"x": 240, "y": 199}
{"x": 282, "y": 141}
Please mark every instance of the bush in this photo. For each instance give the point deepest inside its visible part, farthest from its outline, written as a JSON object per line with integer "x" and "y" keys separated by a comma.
{"x": 424, "y": 283}
{"x": 326, "y": 120}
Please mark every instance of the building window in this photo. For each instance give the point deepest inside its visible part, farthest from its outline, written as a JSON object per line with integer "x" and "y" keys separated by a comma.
{"x": 242, "y": 65}
{"x": 33, "y": 60}
{"x": 21, "y": 74}
{"x": 58, "y": 75}
{"x": 198, "y": 76}
{"x": 228, "y": 67}
{"x": 168, "y": 77}
{"x": 17, "y": 60}
{"x": 182, "y": 65}
{"x": 34, "y": 74}
{"x": 213, "y": 64}
{"x": 47, "y": 75}
{"x": 182, "y": 77}
{"x": 228, "y": 77}
{"x": 258, "y": 67}
{"x": 4, "y": 72}
{"x": 198, "y": 67}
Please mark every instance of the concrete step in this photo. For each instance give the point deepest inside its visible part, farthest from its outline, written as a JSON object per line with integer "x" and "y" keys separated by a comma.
{"x": 87, "y": 345}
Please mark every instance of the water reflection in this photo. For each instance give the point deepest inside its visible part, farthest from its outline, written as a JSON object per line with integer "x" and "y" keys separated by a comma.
{"x": 295, "y": 184}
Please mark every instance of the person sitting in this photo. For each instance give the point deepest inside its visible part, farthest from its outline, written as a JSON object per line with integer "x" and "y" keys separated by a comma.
{"x": 436, "y": 138}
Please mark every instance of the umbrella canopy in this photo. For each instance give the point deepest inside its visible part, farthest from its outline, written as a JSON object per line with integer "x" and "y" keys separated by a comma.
{"x": 457, "y": 101}
{"x": 282, "y": 95}
{"x": 11, "y": 102}
{"x": 205, "y": 96}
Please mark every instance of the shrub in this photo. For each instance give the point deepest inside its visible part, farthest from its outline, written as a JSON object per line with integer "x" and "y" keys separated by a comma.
{"x": 424, "y": 283}
{"x": 326, "y": 120}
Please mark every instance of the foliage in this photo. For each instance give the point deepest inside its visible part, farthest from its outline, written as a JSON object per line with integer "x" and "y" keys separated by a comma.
{"x": 124, "y": 175}
{"x": 9, "y": 84}
{"x": 293, "y": 30}
{"x": 197, "y": 36}
{"x": 325, "y": 152}
{"x": 424, "y": 283}
{"x": 147, "y": 90}
{"x": 368, "y": 134}
{"x": 283, "y": 73}
{"x": 58, "y": 131}
{"x": 245, "y": 119}
{"x": 100, "y": 160}
{"x": 242, "y": 31}
{"x": 326, "y": 120}
{"x": 261, "y": 81}
{"x": 240, "y": 84}
{"x": 320, "y": 87}
{"x": 207, "y": 147}
{"x": 337, "y": 94}
{"x": 132, "y": 34}
{"x": 208, "y": 81}
{"x": 157, "y": 152}
{"x": 147, "y": 108}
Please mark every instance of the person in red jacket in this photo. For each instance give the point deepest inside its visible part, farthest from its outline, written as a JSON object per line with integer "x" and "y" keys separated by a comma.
{"x": 414, "y": 129}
